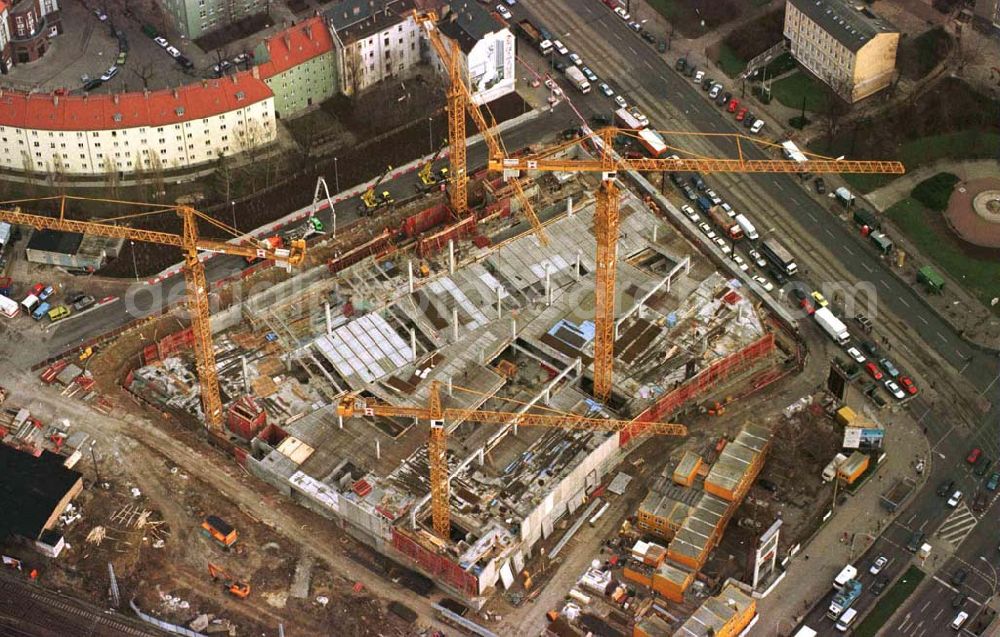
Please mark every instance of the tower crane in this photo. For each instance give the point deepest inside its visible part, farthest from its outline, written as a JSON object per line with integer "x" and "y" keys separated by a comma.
{"x": 608, "y": 199}
{"x": 460, "y": 101}
{"x": 437, "y": 443}
{"x": 191, "y": 244}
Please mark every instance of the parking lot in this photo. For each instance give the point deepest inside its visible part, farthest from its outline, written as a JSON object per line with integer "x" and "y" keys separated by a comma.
{"x": 89, "y": 46}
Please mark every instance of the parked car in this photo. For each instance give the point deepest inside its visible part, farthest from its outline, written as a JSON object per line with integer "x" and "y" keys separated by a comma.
{"x": 622, "y": 13}
{"x": 575, "y": 59}
{"x": 173, "y": 52}
{"x": 723, "y": 98}
{"x": 714, "y": 91}
{"x": 749, "y": 120}
{"x": 681, "y": 64}
{"x": 894, "y": 389}
{"x": 733, "y": 105}
{"x": 980, "y": 502}
{"x": 878, "y": 586}
{"x": 916, "y": 539}
{"x": 699, "y": 76}
{"x": 82, "y": 302}
{"x": 110, "y": 73}
{"x": 103, "y": 17}
{"x": 856, "y": 354}
{"x": 945, "y": 487}
{"x": 908, "y": 385}
{"x": 505, "y": 13}
{"x": 758, "y": 258}
{"x": 162, "y": 41}
{"x": 819, "y": 298}
{"x": 741, "y": 115}
{"x": 873, "y": 370}
{"x": 757, "y": 126}
{"x": 590, "y": 75}
{"x": 558, "y": 46}
{"x": 707, "y": 230}
{"x": 959, "y": 576}
{"x": 740, "y": 263}
{"x": 889, "y": 367}
{"x": 955, "y": 498}
{"x": 635, "y": 26}
{"x": 973, "y": 456}
{"x": 58, "y": 313}
{"x": 820, "y": 184}
{"x": 620, "y": 101}
{"x": 92, "y": 85}
{"x": 689, "y": 212}
{"x": 764, "y": 283}
{"x": 723, "y": 245}
{"x": 993, "y": 482}
{"x": 648, "y": 37}
{"x": 47, "y": 292}
{"x": 878, "y": 565}
{"x": 600, "y": 120}
{"x": 707, "y": 83}
{"x": 983, "y": 466}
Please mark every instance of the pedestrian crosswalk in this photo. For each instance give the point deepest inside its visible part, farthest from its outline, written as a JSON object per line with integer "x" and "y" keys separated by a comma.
{"x": 958, "y": 525}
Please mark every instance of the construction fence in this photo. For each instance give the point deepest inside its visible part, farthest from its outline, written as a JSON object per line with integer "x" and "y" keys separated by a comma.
{"x": 437, "y": 566}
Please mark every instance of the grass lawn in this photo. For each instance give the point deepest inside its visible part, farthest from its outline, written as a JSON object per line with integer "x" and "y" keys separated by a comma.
{"x": 929, "y": 231}
{"x": 730, "y": 63}
{"x": 891, "y": 600}
{"x": 963, "y": 144}
{"x": 790, "y": 91}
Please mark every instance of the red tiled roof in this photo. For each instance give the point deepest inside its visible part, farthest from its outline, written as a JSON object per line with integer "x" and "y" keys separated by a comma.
{"x": 296, "y": 45}
{"x": 129, "y": 110}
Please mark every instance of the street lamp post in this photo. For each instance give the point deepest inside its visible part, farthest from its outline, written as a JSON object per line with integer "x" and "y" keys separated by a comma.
{"x": 232, "y": 207}
{"x": 135, "y": 268}
{"x": 336, "y": 176}
{"x": 430, "y": 134}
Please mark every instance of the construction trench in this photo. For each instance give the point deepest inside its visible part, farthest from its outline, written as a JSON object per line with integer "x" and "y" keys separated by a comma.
{"x": 504, "y": 324}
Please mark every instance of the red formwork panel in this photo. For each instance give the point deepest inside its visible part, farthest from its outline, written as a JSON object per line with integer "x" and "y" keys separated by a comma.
{"x": 432, "y": 244}
{"x": 437, "y": 566}
{"x": 707, "y": 378}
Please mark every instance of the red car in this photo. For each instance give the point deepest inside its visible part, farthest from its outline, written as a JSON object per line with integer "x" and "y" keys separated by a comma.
{"x": 36, "y": 289}
{"x": 908, "y": 385}
{"x": 807, "y": 306}
{"x": 741, "y": 115}
{"x": 973, "y": 456}
{"x": 873, "y": 370}
{"x": 733, "y": 105}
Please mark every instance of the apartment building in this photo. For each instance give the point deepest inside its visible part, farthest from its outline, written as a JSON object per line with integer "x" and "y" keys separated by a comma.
{"x": 150, "y": 130}
{"x": 25, "y": 30}
{"x": 847, "y": 47}
{"x": 487, "y": 48}
{"x": 195, "y": 18}
{"x": 374, "y": 40}
{"x": 299, "y": 65}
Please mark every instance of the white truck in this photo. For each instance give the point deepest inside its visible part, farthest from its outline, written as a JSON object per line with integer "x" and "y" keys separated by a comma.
{"x": 846, "y": 574}
{"x": 830, "y": 471}
{"x": 748, "y": 230}
{"x": 4, "y": 234}
{"x": 575, "y": 75}
{"x": 832, "y": 325}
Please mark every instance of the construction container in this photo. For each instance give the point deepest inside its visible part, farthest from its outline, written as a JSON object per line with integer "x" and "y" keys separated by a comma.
{"x": 652, "y": 626}
{"x": 846, "y": 416}
{"x": 930, "y": 278}
{"x": 638, "y": 576}
{"x": 670, "y": 582}
{"x": 217, "y": 529}
{"x": 687, "y": 469}
{"x": 246, "y": 418}
{"x": 853, "y": 468}
{"x": 655, "y": 555}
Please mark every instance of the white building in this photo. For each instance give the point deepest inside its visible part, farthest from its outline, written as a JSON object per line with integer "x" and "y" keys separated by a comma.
{"x": 375, "y": 40}
{"x": 487, "y": 49}
{"x": 151, "y": 130}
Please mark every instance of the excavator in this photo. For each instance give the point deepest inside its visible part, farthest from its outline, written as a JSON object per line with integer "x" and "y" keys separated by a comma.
{"x": 235, "y": 587}
{"x": 370, "y": 201}
{"x": 429, "y": 180}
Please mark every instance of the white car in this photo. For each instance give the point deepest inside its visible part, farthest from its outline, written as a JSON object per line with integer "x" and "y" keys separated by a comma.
{"x": 620, "y": 101}
{"x": 636, "y": 113}
{"x": 698, "y": 77}
{"x": 110, "y": 73}
{"x": 714, "y": 91}
{"x": 764, "y": 283}
{"x": 955, "y": 499}
{"x": 174, "y": 53}
{"x": 559, "y": 46}
{"x": 575, "y": 59}
{"x": 723, "y": 245}
{"x": 689, "y": 212}
{"x": 878, "y": 565}
{"x": 729, "y": 209}
{"x": 504, "y": 12}
{"x": 511, "y": 3}
{"x": 603, "y": 86}
{"x": 707, "y": 229}
{"x": 740, "y": 263}
{"x": 715, "y": 198}
{"x": 757, "y": 258}
{"x": 894, "y": 389}
{"x": 162, "y": 41}
{"x": 622, "y": 13}
{"x": 757, "y": 126}
{"x": 103, "y": 17}
{"x": 856, "y": 354}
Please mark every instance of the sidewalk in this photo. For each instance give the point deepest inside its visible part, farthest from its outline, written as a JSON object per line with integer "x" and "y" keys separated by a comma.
{"x": 806, "y": 580}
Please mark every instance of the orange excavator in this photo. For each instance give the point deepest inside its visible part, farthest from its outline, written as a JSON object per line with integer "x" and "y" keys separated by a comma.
{"x": 236, "y": 588}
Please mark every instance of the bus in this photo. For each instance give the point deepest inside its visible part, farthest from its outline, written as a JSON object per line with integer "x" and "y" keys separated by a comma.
{"x": 627, "y": 120}
{"x": 653, "y": 143}
{"x": 847, "y": 573}
{"x": 779, "y": 256}
{"x": 846, "y": 620}
{"x": 9, "y": 307}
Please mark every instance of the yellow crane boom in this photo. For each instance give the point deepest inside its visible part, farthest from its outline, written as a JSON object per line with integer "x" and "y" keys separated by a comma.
{"x": 191, "y": 244}
{"x": 437, "y": 444}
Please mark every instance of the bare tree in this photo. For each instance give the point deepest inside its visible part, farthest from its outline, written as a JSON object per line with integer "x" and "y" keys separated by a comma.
{"x": 354, "y": 69}
{"x": 112, "y": 179}
{"x": 156, "y": 174}
{"x": 145, "y": 73}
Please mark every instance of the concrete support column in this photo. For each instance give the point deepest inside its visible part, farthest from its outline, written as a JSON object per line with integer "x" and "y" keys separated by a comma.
{"x": 655, "y": 228}
{"x": 578, "y": 253}
{"x": 451, "y": 391}
{"x": 454, "y": 323}
{"x": 569, "y": 206}
{"x": 413, "y": 344}
{"x": 482, "y": 455}
{"x": 329, "y": 319}
{"x": 451, "y": 256}
{"x": 378, "y": 449}
{"x": 409, "y": 268}
{"x": 246, "y": 374}
{"x": 513, "y": 327}
{"x": 499, "y": 304}
{"x": 340, "y": 422}
{"x": 548, "y": 287}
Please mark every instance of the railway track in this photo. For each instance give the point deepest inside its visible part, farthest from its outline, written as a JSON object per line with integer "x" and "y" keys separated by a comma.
{"x": 31, "y": 611}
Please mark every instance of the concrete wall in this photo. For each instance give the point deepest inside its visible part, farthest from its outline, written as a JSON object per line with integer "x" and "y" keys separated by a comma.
{"x": 304, "y": 85}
